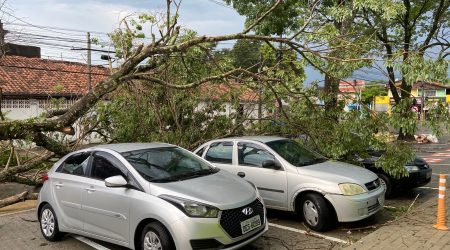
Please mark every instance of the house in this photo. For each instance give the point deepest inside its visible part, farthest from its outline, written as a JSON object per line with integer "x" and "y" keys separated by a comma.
{"x": 31, "y": 85}
{"x": 350, "y": 92}
{"x": 238, "y": 98}
{"x": 429, "y": 92}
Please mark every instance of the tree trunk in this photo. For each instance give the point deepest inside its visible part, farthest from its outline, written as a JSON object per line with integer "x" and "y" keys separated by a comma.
{"x": 331, "y": 89}
{"x": 13, "y": 199}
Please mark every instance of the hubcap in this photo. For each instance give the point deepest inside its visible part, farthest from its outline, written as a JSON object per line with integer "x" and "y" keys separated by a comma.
{"x": 310, "y": 213}
{"x": 152, "y": 241}
{"x": 47, "y": 222}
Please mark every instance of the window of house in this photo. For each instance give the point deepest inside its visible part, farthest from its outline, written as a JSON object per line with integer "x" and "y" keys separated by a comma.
{"x": 15, "y": 104}
{"x": 220, "y": 152}
{"x": 54, "y": 103}
{"x": 429, "y": 93}
{"x": 75, "y": 164}
{"x": 250, "y": 154}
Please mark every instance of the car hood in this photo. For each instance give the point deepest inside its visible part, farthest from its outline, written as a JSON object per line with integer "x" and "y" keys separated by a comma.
{"x": 416, "y": 162}
{"x": 222, "y": 190}
{"x": 338, "y": 172}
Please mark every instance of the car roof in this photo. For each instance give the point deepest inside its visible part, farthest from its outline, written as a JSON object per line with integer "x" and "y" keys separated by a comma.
{"x": 259, "y": 138}
{"x": 125, "y": 147}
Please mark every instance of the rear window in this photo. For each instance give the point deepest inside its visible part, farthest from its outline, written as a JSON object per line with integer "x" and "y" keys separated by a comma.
{"x": 75, "y": 165}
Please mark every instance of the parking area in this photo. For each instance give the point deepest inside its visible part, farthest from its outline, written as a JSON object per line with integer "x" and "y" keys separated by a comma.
{"x": 286, "y": 230}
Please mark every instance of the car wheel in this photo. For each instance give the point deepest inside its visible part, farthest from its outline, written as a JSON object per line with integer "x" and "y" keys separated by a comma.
{"x": 387, "y": 184}
{"x": 316, "y": 212}
{"x": 49, "y": 224}
{"x": 156, "y": 237}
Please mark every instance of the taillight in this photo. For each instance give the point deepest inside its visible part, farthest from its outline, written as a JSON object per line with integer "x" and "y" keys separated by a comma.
{"x": 44, "y": 177}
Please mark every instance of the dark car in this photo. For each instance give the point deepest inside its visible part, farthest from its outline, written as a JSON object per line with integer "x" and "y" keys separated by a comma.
{"x": 419, "y": 173}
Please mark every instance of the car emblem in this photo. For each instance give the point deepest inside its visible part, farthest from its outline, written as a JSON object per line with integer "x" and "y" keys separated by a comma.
{"x": 247, "y": 211}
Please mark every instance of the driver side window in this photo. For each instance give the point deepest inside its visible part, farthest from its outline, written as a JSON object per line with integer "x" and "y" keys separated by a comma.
{"x": 252, "y": 155}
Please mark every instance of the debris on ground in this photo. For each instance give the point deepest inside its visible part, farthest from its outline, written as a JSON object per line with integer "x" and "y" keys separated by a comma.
{"x": 426, "y": 138}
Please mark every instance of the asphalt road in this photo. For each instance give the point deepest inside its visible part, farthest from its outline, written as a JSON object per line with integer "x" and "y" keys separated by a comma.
{"x": 287, "y": 231}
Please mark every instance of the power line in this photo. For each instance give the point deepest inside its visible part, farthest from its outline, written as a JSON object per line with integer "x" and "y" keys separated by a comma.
{"x": 221, "y": 4}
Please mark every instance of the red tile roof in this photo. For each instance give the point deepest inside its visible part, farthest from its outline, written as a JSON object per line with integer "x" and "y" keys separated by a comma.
{"x": 351, "y": 86}
{"x": 426, "y": 85}
{"x": 36, "y": 77}
{"x": 26, "y": 77}
{"x": 216, "y": 91}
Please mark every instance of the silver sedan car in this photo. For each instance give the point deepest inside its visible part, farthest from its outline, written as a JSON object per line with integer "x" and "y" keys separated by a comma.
{"x": 293, "y": 178}
{"x": 149, "y": 196}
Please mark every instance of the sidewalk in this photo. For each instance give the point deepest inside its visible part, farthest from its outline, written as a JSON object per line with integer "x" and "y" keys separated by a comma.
{"x": 411, "y": 231}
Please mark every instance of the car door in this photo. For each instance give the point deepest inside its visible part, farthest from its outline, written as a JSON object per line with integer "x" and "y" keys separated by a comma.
{"x": 221, "y": 155}
{"x": 271, "y": 182}
{"x": 107, "y": 209}
{"x": 68, "y": 182}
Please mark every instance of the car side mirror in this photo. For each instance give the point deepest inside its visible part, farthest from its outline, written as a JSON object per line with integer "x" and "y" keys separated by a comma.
{"x": 116, "y": 181}
{"x": 270, "y": 164}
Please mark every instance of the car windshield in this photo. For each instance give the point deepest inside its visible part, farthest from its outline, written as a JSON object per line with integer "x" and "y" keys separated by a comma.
{"x": 295, "y": 153}
{"x": 167, "y": 164}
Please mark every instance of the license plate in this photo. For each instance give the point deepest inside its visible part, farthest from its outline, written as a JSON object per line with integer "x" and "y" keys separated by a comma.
{"x": 250, "y": 224}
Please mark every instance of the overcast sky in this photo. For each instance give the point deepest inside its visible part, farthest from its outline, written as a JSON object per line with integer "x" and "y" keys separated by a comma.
{"x": 204, "y": 16}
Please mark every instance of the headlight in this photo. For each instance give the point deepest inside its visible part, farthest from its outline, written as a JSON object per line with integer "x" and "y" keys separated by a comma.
{"x": 412, "y": 168}
{"x": 192, "y": 208}
{"x": 351, "y": 189}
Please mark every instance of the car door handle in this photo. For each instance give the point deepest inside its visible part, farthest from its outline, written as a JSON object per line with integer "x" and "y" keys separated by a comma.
{"x": 90, "y": 189}
{"x": 59, "y": 185}
{"x": 241, "y": 174}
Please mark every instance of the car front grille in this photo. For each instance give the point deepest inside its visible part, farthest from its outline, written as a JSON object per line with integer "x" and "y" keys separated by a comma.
{"x": 373, "y": 208}
{"x": 373, "y": 185}
{"x": 231, "y": 219}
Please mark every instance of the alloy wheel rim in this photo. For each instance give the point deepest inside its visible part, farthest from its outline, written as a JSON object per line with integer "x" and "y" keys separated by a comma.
{"x": 47, "y": 222}
{"x": 152, "y": 241}
{"x": 310, "y": 213}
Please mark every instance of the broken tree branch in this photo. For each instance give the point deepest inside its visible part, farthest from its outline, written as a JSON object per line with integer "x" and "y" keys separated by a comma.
{"x": 4, "y": 175}
{"x": 13, "y": 199}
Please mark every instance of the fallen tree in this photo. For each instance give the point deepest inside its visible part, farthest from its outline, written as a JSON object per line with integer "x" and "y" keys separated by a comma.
{"x": 140, "y": 62}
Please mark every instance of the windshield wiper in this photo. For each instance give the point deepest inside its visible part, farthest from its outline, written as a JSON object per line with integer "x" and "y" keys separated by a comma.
{"x": 189, "y": 175}
{"x": 317, "y": 160}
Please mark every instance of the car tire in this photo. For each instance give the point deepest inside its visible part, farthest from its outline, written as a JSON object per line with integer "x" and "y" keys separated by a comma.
{"x": 316, "y": 212}
{"x": 48, "y": 224}
{"x": 156, "y": 235}
{"x": 387, "y": 183}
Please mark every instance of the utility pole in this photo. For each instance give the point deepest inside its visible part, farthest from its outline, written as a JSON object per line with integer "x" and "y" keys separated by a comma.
{"x": 2, "y": 43}
{"x": 89, "y": 59}
{"x": 259, "y": 92}
{"x": 2, "y": 39}
{"x": 422, "y": 108}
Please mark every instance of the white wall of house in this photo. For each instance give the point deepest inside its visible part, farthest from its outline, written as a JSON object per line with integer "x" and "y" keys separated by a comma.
{"x": 22, "y": 109}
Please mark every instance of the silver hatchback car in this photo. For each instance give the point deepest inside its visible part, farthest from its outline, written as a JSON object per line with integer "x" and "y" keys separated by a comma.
{"x": 149, "y": 196}
{"x": 292, "y": 178}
